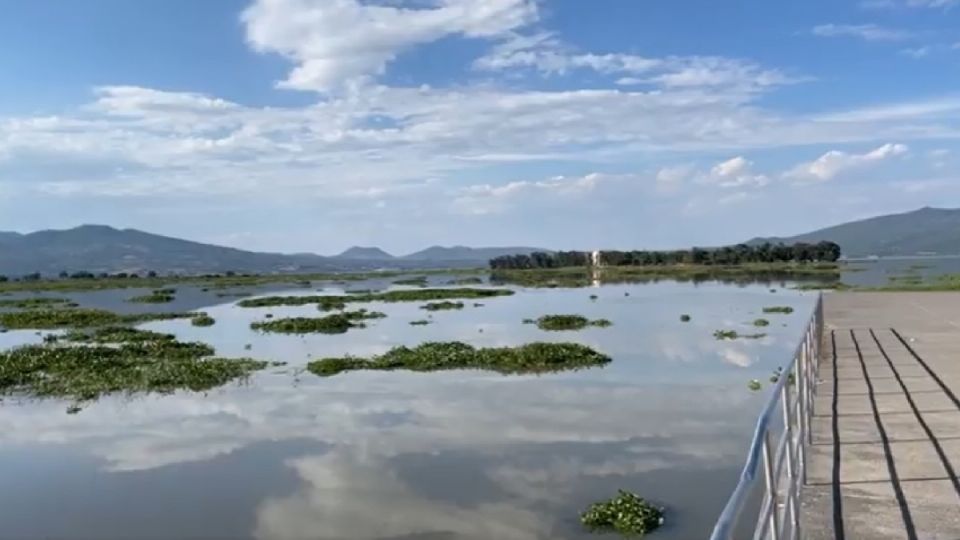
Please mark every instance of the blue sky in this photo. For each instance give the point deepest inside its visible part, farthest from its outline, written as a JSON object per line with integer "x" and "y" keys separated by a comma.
{"x": 312, "y": 125}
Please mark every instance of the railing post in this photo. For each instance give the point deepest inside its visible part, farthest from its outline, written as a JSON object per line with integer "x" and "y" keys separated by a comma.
{"x": 771, "y": 486}
{"x": 793, "y": 437}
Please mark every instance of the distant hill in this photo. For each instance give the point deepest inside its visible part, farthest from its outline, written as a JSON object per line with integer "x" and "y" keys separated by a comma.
{"x": 923, "y": 231}
{"x": 8, "y": 237}
{"x": 99, "y": 248}
{"x": 365, "y": 254}
{"x": 463, "y": 253}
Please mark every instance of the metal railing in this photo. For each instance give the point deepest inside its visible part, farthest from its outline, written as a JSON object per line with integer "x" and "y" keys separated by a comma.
{"x": 777, "y": 450}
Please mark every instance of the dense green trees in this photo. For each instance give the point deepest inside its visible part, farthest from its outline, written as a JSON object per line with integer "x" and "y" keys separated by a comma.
{"x": 727, "y": 255}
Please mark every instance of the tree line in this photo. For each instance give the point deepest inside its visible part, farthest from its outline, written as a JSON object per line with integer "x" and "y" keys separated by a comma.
{"x": 83, "y": 274}
{"x": 800, "y": 252}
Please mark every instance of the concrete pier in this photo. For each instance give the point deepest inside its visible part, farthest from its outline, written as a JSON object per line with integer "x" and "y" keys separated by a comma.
{"x": 885, "y": 453}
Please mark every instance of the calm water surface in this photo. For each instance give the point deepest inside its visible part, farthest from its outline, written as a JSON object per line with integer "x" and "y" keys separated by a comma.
{"x": 431, "y": 456}
{"x": 874, "y": 273}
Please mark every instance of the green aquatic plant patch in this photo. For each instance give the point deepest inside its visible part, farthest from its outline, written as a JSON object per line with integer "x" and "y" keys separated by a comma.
{"x": 439, "y": 356}
{"x": 203, "y": 320}
{"x": 442, "y": 306}
{"x": 568, "y": 322}
{"x": 33, "y": 303}
{"x": 405, "y": 295}
{"x": 111, "y": 334}
{"x": 627, "y": 514}
{"x": 778, "y": 309}
{"x": 733, "y": 334}
{"x": 466, "y": 281}
{"x": 421, "y": 322}
{"x": 103, "y": 366}
{"x": 416, "y": 280}
{"x": 337, "y": 323}
{"x": 684, "y": 318}
{"x": 761, "y": 322}
{"x": 45, "y": 319}
{"x": 152, "y": 298}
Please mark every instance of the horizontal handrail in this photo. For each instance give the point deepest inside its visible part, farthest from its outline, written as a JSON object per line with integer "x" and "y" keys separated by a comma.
{"x": 789, "y": 445}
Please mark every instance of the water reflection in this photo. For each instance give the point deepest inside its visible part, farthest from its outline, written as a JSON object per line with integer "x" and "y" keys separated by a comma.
{"x": 456, "y": 455}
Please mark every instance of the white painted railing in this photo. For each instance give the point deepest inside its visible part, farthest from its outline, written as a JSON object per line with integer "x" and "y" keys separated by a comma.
{"x": 777, "y": 450}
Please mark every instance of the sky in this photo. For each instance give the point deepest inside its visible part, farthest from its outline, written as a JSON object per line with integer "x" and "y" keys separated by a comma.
{"x": 314, "y": 125}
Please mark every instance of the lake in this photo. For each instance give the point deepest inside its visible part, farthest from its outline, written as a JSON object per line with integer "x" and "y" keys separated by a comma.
{"x": 412, "y": 456}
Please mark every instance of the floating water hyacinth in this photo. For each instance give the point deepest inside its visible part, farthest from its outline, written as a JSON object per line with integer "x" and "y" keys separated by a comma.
{"x": 627, "y": 514}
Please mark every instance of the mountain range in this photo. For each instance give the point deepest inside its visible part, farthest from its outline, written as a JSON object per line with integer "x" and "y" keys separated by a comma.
{"x": 100, "y": 248}
{"x": 927, "y": 231}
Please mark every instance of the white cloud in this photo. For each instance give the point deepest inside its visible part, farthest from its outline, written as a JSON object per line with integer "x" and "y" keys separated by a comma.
{"x": 344, "y": 42}
{"x": 545, "y": 54}
{"x": 867, "y": 32}
{"x": 887, "y": 4}
{"x": 673, "y": 177}
{"x": 734, "y": 173}
{"x": 917, "y": 52}
{"x": 488, "y": 199}
{"x": 936, "y": 108}
{"x": 835, "y": 162}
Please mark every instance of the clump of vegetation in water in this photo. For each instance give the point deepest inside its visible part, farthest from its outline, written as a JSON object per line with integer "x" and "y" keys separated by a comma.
{"x": 116, "y": 360}
{"x": 778, "y": 309}
{"x": 234, "y": 294}
{"x": 593, "y": 297}
{"x": 203, "y": 320}
{"x": 627, "y": 514}
{"x": 466, "y": 281}
{"x": 529, "y": 321}
{"x": 477, "y": 304}
{"x": 404, "y": 295}
{"x": 442, "y": 306}
{"x": 158, "y": 296}
{"x": 761, "y": 322}
{"x": 421, "y": 322}
{"x": 337, "y": 323}
{"x": 32, "y": 303}
{"x": 777, "y": 373}
{"x": 733, "y": 334}
{"x": 438, "y": 356}
{"x": 684, "y": 318}
{"x": 333, "y": 304}
{"x": 754, "y": 385}
{"x": 46, "y": 319}
{"x": 569, "y": 322}
{"x": 110, "y": 334}
{"x": 416, "y": 280}
{"x": 161, "y": 316}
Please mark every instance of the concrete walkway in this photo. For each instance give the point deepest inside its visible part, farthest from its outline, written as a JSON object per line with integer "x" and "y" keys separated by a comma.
{"x": 885, "y": 457}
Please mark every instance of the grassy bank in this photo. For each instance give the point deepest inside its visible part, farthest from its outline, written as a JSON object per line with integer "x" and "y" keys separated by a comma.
{"x": 440, "y": 356}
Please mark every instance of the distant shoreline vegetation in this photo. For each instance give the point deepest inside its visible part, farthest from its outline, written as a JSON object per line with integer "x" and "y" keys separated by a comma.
{"x": 822, "y": 252}
{"x": 824, "y": 274}
{"x": 87, "y": 281}
{"x": 404, "y": 295}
